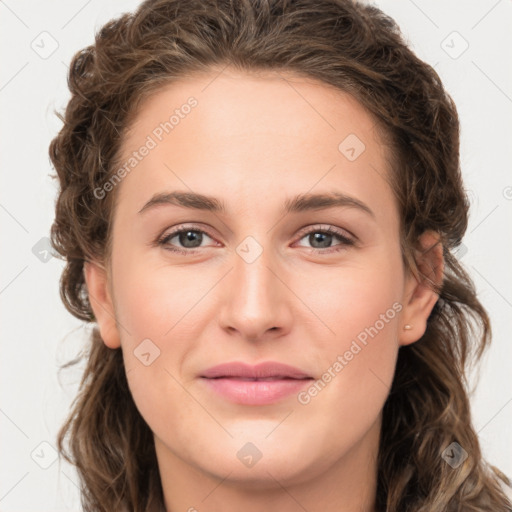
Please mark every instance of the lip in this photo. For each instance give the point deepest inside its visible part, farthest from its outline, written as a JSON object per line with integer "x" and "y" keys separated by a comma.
{"x": 258, "y": 371}
{"x": 261, "y": 384}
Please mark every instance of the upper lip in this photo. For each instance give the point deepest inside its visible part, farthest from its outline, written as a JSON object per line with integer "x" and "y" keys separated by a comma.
{"x": 262, "y": 370}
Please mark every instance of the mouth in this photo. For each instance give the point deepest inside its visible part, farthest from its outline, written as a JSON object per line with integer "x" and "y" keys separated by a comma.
{"x": 266, "y": 370}
{"x": 258, "y": 379}
{"x": 261, "y": 384}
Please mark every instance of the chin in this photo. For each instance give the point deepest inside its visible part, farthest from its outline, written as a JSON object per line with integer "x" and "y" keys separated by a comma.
{"x": 270, "y": 472}
{"x": 262, "y": 464}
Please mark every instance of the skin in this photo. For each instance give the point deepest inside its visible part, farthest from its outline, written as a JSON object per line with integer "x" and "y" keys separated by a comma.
{"x": 253, "y": 141}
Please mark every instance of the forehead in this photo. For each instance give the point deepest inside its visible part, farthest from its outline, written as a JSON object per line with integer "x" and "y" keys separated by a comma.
{"x": 254, "y": 136}
{"x": 250, "y": 103}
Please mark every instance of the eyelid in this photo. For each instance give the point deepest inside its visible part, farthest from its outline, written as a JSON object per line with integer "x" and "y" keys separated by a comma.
{"x": 328, "y": 228}
{"x": 183, "y": 227}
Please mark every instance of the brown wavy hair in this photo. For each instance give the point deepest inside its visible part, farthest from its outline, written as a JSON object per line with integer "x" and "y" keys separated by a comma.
{"x": 357, "y": 49}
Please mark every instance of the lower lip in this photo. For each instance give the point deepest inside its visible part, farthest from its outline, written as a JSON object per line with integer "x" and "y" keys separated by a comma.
{"x": 256, "y": 392}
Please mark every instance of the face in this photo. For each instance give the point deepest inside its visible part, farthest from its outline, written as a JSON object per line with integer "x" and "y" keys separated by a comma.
{"x": 301, "y": 266}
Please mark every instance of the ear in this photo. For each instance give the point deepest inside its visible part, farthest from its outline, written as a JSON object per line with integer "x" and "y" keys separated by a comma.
{"x": 101, "y": 302}
{"x": 419, "y": 298}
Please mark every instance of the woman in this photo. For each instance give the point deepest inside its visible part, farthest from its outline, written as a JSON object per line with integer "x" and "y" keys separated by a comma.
{"x": 259, "y": 206}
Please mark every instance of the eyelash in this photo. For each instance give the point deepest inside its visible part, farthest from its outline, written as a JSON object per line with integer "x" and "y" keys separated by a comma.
{"x": 345, "y": 241}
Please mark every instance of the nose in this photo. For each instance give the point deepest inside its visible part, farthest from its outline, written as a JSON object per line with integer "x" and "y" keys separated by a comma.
{"x": 256, "y": 300}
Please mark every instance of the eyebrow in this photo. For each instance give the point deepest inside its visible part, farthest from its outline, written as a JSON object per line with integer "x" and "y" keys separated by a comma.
{"x": 300, "y": 203}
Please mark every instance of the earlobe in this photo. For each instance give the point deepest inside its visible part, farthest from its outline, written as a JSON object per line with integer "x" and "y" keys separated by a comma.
{"x": 419, "y": 295}
{"x": 101, "y": 302}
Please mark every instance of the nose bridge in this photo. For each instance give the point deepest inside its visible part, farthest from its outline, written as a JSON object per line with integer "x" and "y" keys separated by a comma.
{"x": 254, "y": 301}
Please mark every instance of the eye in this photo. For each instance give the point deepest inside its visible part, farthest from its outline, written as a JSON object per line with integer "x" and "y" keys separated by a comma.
{"x": 185, "y": 240}
{"x": 190, "y": 238}
{"x": 322, "y": 238}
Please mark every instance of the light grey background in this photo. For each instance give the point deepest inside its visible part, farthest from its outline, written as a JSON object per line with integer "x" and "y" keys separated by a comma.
{"x": 37, "y": 334}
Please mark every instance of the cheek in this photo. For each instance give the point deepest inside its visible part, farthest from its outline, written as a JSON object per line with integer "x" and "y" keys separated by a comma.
{"x": 156, "y": 307}
{"x": 362, "y": 306}
{"x": 354, "y": 299}
{"x": 156, "y": 302}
